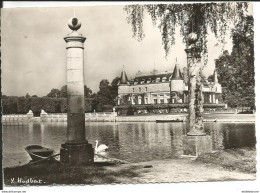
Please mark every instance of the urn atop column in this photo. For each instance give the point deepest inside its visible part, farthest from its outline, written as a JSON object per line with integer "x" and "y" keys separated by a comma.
{"x": 74, "y": 23}
{"x": 74, "y": 39}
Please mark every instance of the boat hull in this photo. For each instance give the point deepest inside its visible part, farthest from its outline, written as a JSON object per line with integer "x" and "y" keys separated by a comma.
{"x": 167, "y": 121}
{"x": 38, "y": 152}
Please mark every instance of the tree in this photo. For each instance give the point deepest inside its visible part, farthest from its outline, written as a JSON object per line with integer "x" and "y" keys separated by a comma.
{"x": 27, "y": 95}
{"x": 87, "y": 92}
{"x": 4, "y": 97}
{"x": 114, "y": 87}
{"x": 10, "y": 105}
{"x": 55, "y": 93}
{"x": 194, "y": 20}
{"x": 197, "y": 17}
{"x": 236, "y": 70}
{"x": 63, "y": 91}
{"x": 104, "y": 99}
{"x": 104, "y": 93}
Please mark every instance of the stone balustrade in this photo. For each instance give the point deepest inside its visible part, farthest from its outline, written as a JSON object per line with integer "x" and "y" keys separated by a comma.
{"x": 62, "y": 117}
{"x": 15, "y": 119}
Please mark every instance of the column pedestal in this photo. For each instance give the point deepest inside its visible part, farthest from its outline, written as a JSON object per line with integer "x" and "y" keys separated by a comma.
{"x": 77, "y": 154}
{"x": 196, "y": 145}
{"x": 76, "y": 151}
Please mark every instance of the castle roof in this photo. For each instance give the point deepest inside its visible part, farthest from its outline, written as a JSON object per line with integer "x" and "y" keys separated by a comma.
{"x": 123, "y": 79}
{"x": 176, "y": 75}
{"x": 162, "y": 77}
{"x": 215, "y": 77}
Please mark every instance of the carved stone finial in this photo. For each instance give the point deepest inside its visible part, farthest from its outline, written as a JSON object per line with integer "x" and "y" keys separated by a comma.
{"x": 192, "y": 38}
{"x": 74, "y": 23}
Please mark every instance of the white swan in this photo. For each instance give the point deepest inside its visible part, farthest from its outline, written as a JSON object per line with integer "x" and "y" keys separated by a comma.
{"x": 101, "y": 148}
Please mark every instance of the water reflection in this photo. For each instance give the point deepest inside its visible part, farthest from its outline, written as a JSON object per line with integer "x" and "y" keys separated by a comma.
{"x": 130, "y": 141}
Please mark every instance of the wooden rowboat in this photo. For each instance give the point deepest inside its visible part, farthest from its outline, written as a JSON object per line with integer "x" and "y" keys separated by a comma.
{"x": 170, "y": 120}
{"x": 38, "y": 152}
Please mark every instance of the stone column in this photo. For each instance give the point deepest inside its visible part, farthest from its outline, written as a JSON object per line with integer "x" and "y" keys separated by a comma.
{"x": 76, "y": 150}
{"x": 195, "y": 98}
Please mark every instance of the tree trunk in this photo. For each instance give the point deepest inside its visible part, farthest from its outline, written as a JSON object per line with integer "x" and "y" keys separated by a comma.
{"x": 196, "y": 126}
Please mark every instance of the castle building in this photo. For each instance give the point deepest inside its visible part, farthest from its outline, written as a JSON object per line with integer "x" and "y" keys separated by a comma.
{"x": 165, "y": 88}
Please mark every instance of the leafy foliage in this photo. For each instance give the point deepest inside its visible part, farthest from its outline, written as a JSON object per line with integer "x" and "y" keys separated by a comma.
{"x": 236, "y": 70}
{"x": 62, "y": 93}
{"x": 22, "y": 105}
{"x": 197, "y": 17}
{"x": 106, "y": 96}
{"x": 56, "y": 100}
{"x": 55, "y": 93}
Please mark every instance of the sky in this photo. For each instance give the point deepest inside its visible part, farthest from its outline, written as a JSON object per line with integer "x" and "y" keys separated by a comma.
{"x": 34, "y": 51}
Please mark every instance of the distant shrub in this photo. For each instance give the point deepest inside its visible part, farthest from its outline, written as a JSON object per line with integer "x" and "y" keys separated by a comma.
{"x": 22, "y": 105}
{"x": 130, "y": 111}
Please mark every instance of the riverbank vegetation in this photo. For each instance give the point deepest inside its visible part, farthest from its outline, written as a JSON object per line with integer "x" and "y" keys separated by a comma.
{"x": 242, "y": 159}
{"x": 56, "y": 100}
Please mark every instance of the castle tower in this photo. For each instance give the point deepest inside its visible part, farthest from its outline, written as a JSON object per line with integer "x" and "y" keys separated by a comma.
{"x": 215, "y": 76}
{"x": 123, "y": 87}
{"x": 123, "y": 79}
{"x": 176, "y": 85}
{"x": 76, "y": 150}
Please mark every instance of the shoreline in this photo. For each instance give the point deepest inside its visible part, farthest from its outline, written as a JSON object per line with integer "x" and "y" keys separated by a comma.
{"x": 207, "y": 167}
{"x": 216, "y": 117}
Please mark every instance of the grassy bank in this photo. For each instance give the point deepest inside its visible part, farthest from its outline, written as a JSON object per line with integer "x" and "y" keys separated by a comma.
{"x": 239, "y": 164}
{"x": 55, "y": 173}
{"x": 242, "y": 160}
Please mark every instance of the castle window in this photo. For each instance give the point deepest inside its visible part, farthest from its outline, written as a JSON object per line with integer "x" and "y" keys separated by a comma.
{"x": 139, "y": 89}
{"x": 133, "y": 89}
{"x": 145, "y": 88}
{"x": 155, "y": 101}
{"x": 168, "y": 100}
{"x": 139, "y": 100}
{"x": 161, "y": 101}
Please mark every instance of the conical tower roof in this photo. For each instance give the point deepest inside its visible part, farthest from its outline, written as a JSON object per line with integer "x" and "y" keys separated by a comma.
{"x": 123, "y": 79}
{"x": 176, "y": 73}
{"x": 215, "y": 76}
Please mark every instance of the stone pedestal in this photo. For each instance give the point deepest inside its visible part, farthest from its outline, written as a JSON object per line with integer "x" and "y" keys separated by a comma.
{"x": 29, "y": 114}
{"x": 76, "y": 150}
{"x": 195, "y": 145}
{"x": 43, "y": 116}
{"x": 77, "y": 154}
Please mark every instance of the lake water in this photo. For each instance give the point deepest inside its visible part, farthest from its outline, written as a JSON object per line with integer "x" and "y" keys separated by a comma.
{"x": 139, "y": 141}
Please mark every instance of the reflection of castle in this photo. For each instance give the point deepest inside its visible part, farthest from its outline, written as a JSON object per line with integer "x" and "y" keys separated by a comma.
{"x": 164, "y": 88}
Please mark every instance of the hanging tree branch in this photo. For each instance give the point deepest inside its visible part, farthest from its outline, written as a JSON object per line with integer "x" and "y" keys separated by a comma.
{"x": 216, "y": 17}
